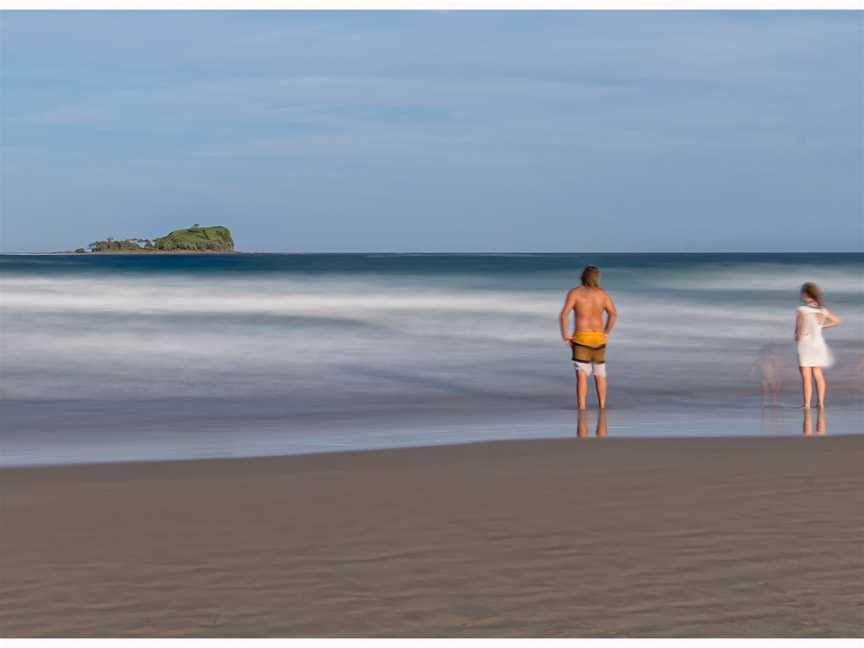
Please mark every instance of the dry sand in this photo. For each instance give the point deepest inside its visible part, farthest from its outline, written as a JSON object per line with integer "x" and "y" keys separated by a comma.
{"x": 696, "y": 537}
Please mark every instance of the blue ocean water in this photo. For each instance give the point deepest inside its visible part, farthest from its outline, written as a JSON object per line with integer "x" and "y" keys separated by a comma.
{"x": 117, "y": 358}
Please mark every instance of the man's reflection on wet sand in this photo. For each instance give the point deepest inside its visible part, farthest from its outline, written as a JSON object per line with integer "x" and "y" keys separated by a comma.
{"x": 582, "y": 425}
{"x": 821, "y": 423}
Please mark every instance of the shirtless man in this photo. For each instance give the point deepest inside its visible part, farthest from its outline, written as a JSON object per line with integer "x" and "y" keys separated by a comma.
{"x": 588, "y": 341}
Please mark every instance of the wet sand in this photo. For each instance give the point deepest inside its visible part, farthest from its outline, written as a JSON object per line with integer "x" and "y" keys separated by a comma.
{"x": 594, "y": 537}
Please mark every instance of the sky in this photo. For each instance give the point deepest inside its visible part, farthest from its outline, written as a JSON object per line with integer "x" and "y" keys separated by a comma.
{"x": 435, "y": 131}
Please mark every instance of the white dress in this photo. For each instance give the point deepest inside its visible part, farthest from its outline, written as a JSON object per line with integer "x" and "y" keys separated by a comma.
{"x": 812, "y": 349}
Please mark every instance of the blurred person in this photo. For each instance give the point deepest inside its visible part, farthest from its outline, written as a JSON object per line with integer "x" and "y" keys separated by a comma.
{"x": 858, "y": 375}
{"x": 813, "y": 352}
{"x": 769, "y": 366}
{"x": 588, "y": 303}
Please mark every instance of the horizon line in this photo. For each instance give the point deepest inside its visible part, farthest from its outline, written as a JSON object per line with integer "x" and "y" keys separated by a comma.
{"x": 405, "y": 253}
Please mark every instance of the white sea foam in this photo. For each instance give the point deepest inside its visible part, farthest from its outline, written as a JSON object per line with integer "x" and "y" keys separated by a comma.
{"x": 761, "y": 278}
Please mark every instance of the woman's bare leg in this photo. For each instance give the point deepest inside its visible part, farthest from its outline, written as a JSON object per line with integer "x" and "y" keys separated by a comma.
{"x": 601, "y": 391}
{"x": 819, "y": 377}
{"x": 581, "y": 389}
{"x": 806, "y": 385}
{"x": 807, "y": 427}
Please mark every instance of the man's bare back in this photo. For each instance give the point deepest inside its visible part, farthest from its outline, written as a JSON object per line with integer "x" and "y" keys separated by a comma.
{"x": 588, "y": 306}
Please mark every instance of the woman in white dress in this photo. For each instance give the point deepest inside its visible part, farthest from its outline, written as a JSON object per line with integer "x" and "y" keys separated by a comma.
{"x": 813, "y": 353}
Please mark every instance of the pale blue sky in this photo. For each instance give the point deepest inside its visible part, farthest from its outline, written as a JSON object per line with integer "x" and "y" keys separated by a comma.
{"x": 433, "y": 131}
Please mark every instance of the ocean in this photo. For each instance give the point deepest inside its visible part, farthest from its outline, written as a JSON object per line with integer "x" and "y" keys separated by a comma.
{"x": 125, "y": 358}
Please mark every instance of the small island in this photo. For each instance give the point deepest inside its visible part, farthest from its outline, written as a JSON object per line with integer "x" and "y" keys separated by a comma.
{"x": 192, "y": 240}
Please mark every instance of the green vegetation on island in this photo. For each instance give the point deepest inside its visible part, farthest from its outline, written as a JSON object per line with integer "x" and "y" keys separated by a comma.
{"x": 190, "y": 240}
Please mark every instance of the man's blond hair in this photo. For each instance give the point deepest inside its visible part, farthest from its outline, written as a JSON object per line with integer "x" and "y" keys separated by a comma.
{"x": 591, "y": 277}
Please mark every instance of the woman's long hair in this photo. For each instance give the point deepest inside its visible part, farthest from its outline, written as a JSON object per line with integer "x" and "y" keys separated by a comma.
{"x": 812, "y": 291}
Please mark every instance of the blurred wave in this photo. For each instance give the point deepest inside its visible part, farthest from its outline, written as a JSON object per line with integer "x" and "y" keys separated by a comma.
{"x": 150, "y": 330}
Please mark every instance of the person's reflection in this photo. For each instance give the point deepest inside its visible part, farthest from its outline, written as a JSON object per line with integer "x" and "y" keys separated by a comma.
{"x": 602, "y": 429}
{"x": 582, "y": 425}
{"x": 821, "y": 423}
{"x": 771, "y": 423}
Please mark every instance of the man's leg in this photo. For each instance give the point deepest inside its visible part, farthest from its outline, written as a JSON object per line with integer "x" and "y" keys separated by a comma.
{"x": 581, "y": 388}
{"x": 600, "y": 383}
{"x": 601, "y": 391}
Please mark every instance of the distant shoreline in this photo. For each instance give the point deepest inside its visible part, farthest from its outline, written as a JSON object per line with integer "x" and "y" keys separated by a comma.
{"x": 377, "y": 253}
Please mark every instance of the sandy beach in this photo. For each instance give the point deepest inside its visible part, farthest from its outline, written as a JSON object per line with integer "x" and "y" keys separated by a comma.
{"x": 594, "y": 537}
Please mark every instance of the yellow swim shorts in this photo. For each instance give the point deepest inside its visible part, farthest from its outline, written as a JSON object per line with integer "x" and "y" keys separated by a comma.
{"x": 589, "y": 346}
